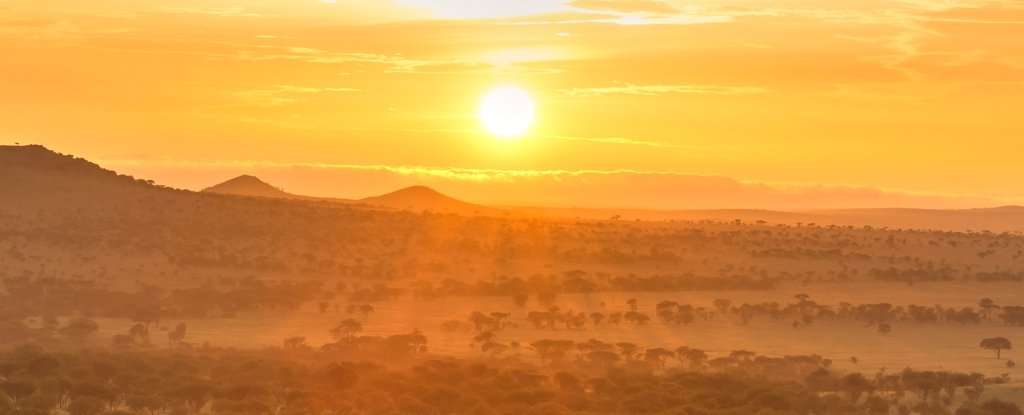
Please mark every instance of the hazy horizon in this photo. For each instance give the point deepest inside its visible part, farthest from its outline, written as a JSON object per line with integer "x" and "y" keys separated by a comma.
{"x": 511, "y": 207}
{"x": 344, "y": 99}
{"x": 642, "y": 190}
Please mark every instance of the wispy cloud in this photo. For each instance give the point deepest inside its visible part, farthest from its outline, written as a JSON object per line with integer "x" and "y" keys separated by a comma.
{"x": 651, "y": 90}
{"x": 284, "y": 94}
{"x": 213, "y": 11}
{"x": 621, "y": 19}
{"x": 625, "y": 6}
{"x": 609, "y": 140}
{"x": 394, "y": 63}
{"x": 453, "y": 173}
{"x": 600, "y": 140}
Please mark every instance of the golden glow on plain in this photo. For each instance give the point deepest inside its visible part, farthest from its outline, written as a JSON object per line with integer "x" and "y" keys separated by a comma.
{"x": 507, "y": 111}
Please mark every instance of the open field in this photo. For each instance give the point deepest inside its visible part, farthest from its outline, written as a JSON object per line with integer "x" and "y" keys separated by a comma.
{"x": 921, "y": 346}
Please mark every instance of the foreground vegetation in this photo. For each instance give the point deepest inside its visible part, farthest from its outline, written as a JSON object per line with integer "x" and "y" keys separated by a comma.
{"x": 339, "y": 381}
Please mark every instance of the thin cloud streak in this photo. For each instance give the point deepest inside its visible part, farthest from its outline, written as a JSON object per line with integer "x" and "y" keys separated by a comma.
{"x": 654, "y": 90}
{"x": 600, "y": 140}
{"x": 213, "y": 11}
{"x": 284, "y": 94}
{"x": 455, "y": 173}
{"x": 610, "y": 140}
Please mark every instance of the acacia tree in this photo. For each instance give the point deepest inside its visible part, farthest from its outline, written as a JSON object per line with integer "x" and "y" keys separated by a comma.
{"x": 657, "y": 356}
{"x": 552, "y": 351}
{"x": 998, "y": 344}
{"x": 632, "y": 304}
{"x": 194, "y": 395}
{"x": 1013, "y": 315}
{"x": 178, "y": 335}
{"x": 346, "y": 329}
{"x": 722, "y": 305}
{"x": 144, "y": 402}
{"x": 140, "y": 332}
{"x": 364, "y": 309}
{"x": 636, "y": 317}
{"x": 482, "y": 322}
{"x": 694, "y": 358}
{"x": 855, "y": 385}
{"x": 86, "y": 405}
{"x": 987, "y": 305}
{"x": 17, "y": 389}
{"x": 924, "y": 383}
{"x": 294, "y": 343}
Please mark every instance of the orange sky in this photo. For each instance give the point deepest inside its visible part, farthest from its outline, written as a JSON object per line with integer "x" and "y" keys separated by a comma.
{"x": 638, "y": 101}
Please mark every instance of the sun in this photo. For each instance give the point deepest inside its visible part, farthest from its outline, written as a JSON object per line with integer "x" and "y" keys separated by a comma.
{"x": 507, "y": 111}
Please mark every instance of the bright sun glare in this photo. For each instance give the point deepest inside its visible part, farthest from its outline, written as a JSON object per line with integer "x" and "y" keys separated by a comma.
{"x": 507, "y": 111}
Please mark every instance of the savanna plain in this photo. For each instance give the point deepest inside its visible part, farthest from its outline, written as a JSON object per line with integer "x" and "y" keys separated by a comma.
{"x": 121, "y": 296}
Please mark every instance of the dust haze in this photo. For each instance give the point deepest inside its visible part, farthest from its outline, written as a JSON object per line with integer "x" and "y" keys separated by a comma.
{"x": 124, "y": 296}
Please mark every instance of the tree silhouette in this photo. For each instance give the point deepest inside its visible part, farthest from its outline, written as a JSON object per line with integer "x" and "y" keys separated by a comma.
{"x": 694, "y": 358}
{"x": 855, "y": 384}
{"x": 140, "y": 332}
{"x": 194, "y": 395}
{"x": 636, "y": 317}
{"x": 552, "y": 351}
{"x": 1013, "y": 315}
{"x": 294, "y": 343}
{"x": 722, "y": 305}
{"x": 144, "y": 402}
{"x": 657, "y": 356}
{"x": 924, "y": 383}
{"x": 632, "y": 304}
{"x": 346, "y": 329}
{"x": 17, "y": 389}
{"x": 987, "y": 305}
{"x": 364, "y": 309}
{"x": 409, "y": 345}
{"x": 176, "y": 336}
{"x": 86, "y": 405}
{"x": 482, "y": 322}
{"x": 602, "y": 358}
{"x": 998, "y": 344}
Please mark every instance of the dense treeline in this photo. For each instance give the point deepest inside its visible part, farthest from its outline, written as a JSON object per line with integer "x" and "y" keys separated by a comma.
{"x": 304, "y": 381}
{"x": 28, "y": 297}
{"x": 801, "y": 313}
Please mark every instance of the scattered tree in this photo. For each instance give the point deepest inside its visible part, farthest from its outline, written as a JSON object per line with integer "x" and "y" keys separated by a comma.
{"x": 998, "y": 344}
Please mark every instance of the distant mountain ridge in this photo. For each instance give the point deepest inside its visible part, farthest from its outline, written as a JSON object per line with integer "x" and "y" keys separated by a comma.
{"x": 411, "y": 198}
{"x": 422, "y": 197}
{"x": 32, "y": 176}
{"x": 43, "y": 160}
{"x": 246, "y": 185}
